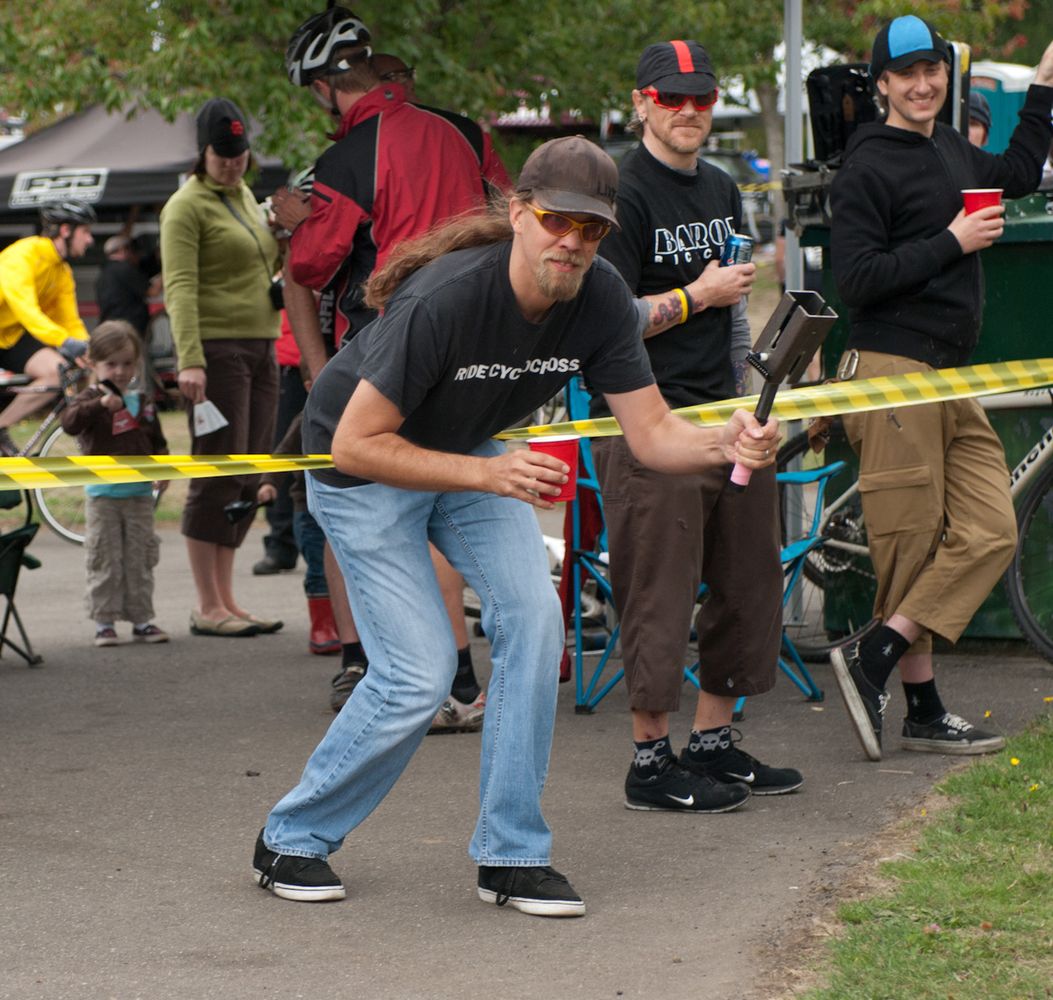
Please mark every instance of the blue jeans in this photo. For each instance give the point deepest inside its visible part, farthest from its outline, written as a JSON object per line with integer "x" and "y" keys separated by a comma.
{"x": 310, "y": 540}
{"x": 380, "y": 535}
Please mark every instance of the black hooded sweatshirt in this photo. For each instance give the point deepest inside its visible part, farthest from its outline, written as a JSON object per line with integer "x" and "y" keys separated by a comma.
{"x": 909, "y": 288}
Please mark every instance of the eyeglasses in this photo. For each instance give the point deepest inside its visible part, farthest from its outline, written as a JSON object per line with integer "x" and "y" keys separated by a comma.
{"x": 672, "y": 101}
{"x": 559, "y": 225}
{"x": 399, "y": 75}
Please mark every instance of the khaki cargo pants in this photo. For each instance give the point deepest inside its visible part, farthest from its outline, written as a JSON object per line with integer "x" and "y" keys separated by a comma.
{"x": 121, "y": 550}
{"x": 936, "y": 502}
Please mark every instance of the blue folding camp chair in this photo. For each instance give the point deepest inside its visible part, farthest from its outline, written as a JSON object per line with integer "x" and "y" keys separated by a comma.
{"x": 589, "y": 568}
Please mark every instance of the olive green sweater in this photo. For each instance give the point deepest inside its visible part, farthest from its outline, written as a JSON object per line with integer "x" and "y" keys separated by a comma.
{"x": 216, "y": 282}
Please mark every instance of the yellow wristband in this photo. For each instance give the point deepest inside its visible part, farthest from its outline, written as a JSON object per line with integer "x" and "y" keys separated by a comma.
{"x": 685, "y": 305}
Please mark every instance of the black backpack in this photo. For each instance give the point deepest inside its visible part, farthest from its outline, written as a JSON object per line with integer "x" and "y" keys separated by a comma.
{"x": 840, "y": 99}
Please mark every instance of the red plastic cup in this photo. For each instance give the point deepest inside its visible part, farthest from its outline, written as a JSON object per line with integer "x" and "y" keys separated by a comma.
{"x": 977, "y": 198}
{"x": 565, "y": 448}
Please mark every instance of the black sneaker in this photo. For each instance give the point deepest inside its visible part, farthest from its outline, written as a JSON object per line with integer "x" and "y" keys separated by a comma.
{"x": 672, "y": 788}
{"x": 540, "y": 891}
{"x": 734, "y": 765}
{"x": 306, "y": 880}
{"x": 270, "y": 566}
{"x": 949, "y": 734}
{"x": 344, "y": 683}
{"x": 865, "y": 703}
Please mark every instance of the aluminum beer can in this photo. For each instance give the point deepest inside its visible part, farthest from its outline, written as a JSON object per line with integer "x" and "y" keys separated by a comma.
{"x": 737, "y": 250}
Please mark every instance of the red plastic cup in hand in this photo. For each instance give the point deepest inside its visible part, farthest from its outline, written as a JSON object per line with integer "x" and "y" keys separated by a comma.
{"x": 977, "y": 198}
{"x": 565, "y": 448}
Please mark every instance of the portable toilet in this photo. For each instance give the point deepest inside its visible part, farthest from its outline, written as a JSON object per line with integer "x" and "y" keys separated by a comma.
{"x": 1005, "y": 87}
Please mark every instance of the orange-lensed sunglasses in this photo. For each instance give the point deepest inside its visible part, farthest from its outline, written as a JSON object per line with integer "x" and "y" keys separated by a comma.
{"x": 672, "y": 101}
{"x": 560, "y": 225}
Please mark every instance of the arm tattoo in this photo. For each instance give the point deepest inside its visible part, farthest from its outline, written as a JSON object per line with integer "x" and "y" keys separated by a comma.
{"x": 742, "y": 377}
{"x": 665, "y": 312}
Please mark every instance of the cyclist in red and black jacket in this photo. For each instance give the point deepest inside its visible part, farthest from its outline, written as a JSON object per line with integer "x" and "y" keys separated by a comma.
{"x": 394, "y": 170}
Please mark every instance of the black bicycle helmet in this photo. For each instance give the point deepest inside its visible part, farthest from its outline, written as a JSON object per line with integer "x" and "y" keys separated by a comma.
{"x": 311, "y": 50}
{"x": 77, "y": 213}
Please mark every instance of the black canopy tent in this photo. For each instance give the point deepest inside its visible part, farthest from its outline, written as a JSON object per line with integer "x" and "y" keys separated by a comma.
{"x": 109, "y": 160}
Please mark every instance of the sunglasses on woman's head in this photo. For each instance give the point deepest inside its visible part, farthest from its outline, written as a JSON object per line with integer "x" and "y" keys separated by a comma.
{"x": 672, "y": 101}
{"x": 559, "y": 225}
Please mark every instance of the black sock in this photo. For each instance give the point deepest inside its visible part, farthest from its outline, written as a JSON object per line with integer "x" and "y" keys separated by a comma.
{"x": 354, "y": 653}
{"x": 707, "y": 742}
{"x": 879, "y": 655}
{"x": 465, "y": 687}
{"x": 649, "y": 754}
{"x": 923, "y": 702}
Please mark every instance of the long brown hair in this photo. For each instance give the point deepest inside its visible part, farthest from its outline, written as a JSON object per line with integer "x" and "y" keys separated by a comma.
{"x": 470, "y": 229}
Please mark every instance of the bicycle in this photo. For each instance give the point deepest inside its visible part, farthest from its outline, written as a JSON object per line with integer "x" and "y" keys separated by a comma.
{"x": 840, "y": 568}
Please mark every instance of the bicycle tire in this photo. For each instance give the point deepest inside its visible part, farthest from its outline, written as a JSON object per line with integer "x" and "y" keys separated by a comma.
{"x": 63, "y": 508}
{"x": 1029, "y": 579}
{"x": 835, "y": 594}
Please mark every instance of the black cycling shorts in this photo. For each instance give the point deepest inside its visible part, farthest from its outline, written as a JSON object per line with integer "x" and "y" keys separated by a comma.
{"x": 14, "y": 358}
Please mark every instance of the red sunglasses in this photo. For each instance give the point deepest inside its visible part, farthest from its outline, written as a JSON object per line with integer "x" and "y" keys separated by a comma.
{"x": 559, "y": 225}
{"x": 672, "y": 101}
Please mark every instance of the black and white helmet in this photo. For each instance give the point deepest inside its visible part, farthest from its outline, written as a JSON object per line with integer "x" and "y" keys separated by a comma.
{"x": 77, "y": 213}
{"x": 311, "y": 52}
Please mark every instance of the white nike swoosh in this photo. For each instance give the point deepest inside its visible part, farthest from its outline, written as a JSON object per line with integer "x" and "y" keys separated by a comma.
{"x": 748, "y": 778}
{"x": 689, "y": 801}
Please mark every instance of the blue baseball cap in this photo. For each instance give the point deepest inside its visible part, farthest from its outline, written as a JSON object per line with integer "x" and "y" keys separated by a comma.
{"x": 905, "y": 41}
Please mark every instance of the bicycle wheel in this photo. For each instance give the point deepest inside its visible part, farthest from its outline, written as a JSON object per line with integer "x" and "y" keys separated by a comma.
{"x": 62, "y": 507}
{"x": 1029, "y": 579}
{"x": 834, "y": 598}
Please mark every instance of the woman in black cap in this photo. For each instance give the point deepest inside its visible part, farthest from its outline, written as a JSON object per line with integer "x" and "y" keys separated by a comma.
{"x": 219, "y": 260}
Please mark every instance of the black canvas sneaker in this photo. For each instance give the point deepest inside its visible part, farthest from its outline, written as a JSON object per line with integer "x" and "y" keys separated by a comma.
{"x": 540, "y": 891}
{"x": 672, "y": 788}
{"x": 865, "y": 703}
{"x": 306, "y": 880}
{"x": 735, "y": 765}
{"x": 949, "y": 734}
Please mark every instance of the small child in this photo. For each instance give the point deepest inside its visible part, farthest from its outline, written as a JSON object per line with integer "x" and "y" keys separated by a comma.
{"x": 121, "y": 546}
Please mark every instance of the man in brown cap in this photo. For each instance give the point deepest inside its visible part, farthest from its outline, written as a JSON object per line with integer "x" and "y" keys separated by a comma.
{"x": 483, "y": 320}
{"x": 669, "y": 533}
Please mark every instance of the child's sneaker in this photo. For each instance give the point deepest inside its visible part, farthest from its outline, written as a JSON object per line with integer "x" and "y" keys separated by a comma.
{"x": 106, "y": 636}
{"x": 149, "y": 633}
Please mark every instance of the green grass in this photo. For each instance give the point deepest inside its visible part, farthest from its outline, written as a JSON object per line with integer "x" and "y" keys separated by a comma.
{"x": 970, "y": 915}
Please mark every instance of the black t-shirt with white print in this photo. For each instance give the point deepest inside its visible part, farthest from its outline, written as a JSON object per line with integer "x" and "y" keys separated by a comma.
{"x": 453, "y": 352}
{"x": 673, "y": 224}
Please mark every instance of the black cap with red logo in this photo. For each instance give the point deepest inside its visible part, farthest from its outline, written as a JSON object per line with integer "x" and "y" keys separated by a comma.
{"x": 221, "y": 125}
{"x": 678, "y": 66}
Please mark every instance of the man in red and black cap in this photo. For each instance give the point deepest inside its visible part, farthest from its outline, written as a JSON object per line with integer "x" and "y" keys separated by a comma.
{"x": 669, "y": 533}
{"x": 483, "y": 321}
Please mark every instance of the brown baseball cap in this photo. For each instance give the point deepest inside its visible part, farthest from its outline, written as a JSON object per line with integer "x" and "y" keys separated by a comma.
{"x": 572, "y": 175}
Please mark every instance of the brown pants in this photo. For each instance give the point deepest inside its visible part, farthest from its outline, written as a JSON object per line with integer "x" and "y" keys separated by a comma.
{"x": 121, "y": 551}
{"x": 935, "y": 492}
{"x": 668, "y": 533}
{"x": 243, "y": 384}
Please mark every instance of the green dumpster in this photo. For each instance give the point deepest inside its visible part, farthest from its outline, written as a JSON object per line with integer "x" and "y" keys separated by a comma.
{"x": 1019, "y": 273}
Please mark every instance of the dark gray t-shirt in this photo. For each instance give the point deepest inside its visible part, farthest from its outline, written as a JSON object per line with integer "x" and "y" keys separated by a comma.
{"x": 453, "y": 352}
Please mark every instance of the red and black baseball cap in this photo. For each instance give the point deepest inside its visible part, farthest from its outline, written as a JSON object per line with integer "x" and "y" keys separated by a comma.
{"x": 679, "y": 66}
{"x": 221, "y": 125}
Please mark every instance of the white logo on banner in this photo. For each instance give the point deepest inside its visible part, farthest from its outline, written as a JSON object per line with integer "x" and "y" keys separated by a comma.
{"x": 39, "y": 187}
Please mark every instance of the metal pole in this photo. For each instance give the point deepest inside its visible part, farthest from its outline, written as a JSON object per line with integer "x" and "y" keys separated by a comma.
{"x": 793, "y": 37}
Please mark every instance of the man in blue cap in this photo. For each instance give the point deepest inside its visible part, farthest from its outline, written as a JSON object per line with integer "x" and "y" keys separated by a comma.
{"x": 933, "y": 479}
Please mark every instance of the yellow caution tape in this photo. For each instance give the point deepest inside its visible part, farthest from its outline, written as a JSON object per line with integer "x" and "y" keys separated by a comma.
{"x": 832, "y": 399}
{"x": 836, "y": 398}
{"x": 82, "y": 470}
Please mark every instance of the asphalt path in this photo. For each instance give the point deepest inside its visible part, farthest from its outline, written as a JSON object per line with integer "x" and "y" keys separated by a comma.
{"x": 133, "y": 781}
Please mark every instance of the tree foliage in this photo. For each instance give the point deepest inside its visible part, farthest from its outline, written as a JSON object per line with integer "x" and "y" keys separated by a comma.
{"x": 473, "y": 55}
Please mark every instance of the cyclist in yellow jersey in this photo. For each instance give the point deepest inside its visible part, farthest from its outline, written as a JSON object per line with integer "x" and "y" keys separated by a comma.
{"x": 39, "y": 323}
